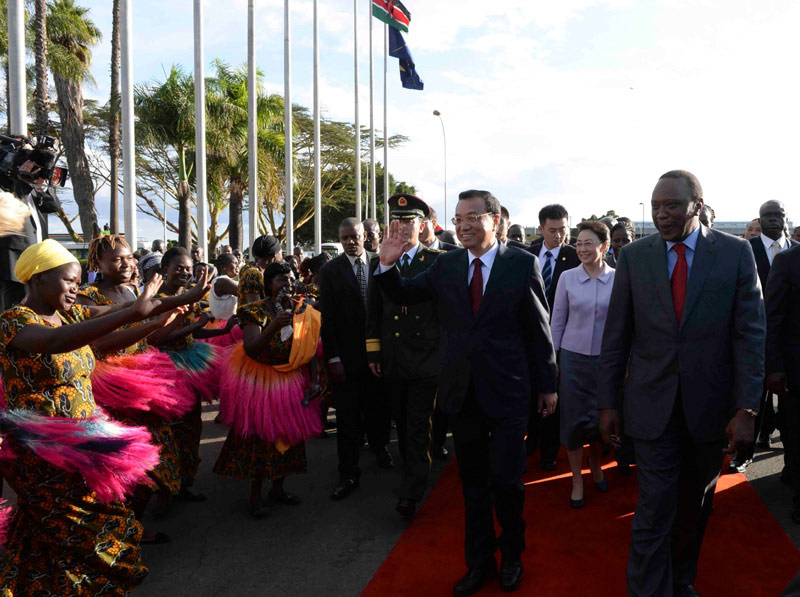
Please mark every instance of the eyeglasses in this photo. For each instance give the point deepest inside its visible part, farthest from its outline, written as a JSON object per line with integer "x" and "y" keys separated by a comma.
{"x": 469, "y": 219}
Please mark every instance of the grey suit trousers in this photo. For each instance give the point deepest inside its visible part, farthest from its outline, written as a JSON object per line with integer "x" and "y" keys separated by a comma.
{"x": 677, "y": 479}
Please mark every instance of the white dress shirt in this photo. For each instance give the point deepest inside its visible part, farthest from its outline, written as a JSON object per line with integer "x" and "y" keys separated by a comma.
{"x": 411, "y": 254}
{"x": 782, "y": 243}
{"x": 553, "y": 259}
{"x": 487, "y": 261}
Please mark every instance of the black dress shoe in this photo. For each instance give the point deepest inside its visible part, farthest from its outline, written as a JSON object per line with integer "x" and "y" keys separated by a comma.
{"x": 344, "y": 488}
{"x": 510, "y": 575}
{"x": 407, "y": 507}
{"x": 764, "y": 442}
{"x": 384, "y": 459}
{"x": 686, "y": 591}
{"x": 439, "y": 453}
{"x": 474, "y": 580}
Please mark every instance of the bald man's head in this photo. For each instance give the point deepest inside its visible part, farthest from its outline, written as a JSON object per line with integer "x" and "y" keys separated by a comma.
{"x": 772, "y": 217}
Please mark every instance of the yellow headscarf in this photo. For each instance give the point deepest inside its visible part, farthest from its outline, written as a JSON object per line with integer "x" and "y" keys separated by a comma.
{"x": 41, "y": 257}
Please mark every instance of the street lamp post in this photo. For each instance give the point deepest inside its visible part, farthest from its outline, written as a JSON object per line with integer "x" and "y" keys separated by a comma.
{"x": 642, "y": 204}
{"x": 444, "y": 140}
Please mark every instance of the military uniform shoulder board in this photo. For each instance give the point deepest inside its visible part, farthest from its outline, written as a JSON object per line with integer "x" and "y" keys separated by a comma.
{"x": 434, "y": 251}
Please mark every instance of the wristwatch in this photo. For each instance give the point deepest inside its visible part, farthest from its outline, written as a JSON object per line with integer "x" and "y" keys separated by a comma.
{"x": 751, "y": 412}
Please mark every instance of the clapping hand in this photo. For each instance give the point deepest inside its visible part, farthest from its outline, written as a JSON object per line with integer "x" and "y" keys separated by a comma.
{"x": 147, "y": 303}
{"x": 203, "y": 285}
{"x": 393, "y": 245}
{"x": 167, "y": 318}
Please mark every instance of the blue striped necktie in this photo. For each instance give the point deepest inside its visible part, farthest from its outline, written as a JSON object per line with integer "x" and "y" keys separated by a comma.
{"x": 547, "y": 270}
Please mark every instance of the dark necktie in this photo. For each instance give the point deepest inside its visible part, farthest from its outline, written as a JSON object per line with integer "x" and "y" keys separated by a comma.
{"x": 476, "y": 285}
{"x": 361, "y": 278}
{"x": 547, "y": 270}
{"x": 680, "y": 275}
{"x": 406, "y": 265}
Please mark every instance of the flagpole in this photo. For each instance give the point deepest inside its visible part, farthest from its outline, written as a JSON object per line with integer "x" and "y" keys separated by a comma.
{"x": 200, "y": 128}
{"x": 288, "y": 218}
{"x": 317, "y": 169}
{"x": 17, "y": 108}
{"x": 252, "y": 116}
{"x": 385, "y": 126}
{"x": 357, "y": 123}
{"x": 128, "y": 132}
{"x": 374, "y": 213}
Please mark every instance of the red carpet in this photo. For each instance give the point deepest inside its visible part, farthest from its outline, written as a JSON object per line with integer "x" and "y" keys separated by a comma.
{"x": 584, "y": 552}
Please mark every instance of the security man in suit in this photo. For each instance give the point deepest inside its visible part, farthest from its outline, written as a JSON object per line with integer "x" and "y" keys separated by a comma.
{"x": 555, "y": 255}
{"x": 402, "y": 350}
{"x": 766, "y": 246}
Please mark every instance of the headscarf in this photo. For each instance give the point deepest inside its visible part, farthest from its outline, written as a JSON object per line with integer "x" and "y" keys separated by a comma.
{"x": 149, "y": 261}
{"x": 265, "y": 246}
{"x": 40, "y": 258}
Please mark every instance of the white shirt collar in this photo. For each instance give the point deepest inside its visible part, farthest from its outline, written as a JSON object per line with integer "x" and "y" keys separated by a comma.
{"x": 434, "y": 245}
{"x": 411, "y": 253}
{"x": 553, "y": 252}
{"x": 487, "y": 259}
{"x": 690, "y": 241}
{"x": 352, "y": 260}
{"x": 768, "y": 241}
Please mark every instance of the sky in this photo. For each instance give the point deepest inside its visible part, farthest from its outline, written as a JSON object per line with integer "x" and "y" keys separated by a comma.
{"x": 579, "y": 102}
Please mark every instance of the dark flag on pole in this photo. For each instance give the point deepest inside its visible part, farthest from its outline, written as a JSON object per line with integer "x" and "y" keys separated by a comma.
{"x": 398, "y": 48}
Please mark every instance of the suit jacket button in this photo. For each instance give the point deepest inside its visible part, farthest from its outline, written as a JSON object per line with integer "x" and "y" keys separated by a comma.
{"x": 397, "y": 334}
{"x": 396, "y": 317}
{"x": 417, "y": 316}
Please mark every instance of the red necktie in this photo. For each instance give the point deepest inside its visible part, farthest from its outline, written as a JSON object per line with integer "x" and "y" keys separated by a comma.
{"x": 476, "y": 285}
{"x": 679, "y": 276}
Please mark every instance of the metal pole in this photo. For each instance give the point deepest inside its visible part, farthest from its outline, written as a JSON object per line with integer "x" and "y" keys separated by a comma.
{"x": 252, "y": 116}
{"x": 126, "y": 98}
{"x": 385, "y": 127}
{"x": 444, "y": 140}
{"x": 287, "y": 116}
{"x": 200, "y": 127}
{"x": 357, "y": 126}
{"x": 642, "y": 233}
{"x": 17, "y": 99}
{"x": 317, "y": 165}
{"x": 373, "y": 186}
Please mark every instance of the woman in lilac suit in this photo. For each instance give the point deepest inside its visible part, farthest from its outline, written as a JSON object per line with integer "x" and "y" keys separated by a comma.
{"x": 579, "y": 316}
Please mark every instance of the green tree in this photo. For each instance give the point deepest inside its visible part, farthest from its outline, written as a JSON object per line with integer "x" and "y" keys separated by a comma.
{"x": 71, "y": 35}
{"x": 165, "y": 130}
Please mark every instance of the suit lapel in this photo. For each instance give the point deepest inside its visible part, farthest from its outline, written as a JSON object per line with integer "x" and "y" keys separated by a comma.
{"x": 495, "y": 275}
{"x": 347, "y": 272}
{"x": 660, "y": 275}
{"x": 704, "y": 256}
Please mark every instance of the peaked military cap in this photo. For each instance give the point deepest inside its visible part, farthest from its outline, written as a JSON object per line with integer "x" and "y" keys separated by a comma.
{"x": 406, "y": 207}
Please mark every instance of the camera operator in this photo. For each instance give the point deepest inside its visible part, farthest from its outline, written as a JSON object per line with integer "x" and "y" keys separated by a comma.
{"x": 28, "y": 173}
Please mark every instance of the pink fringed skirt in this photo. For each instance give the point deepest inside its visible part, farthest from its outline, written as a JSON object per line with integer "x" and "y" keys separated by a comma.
{"x": 201, "y": 365}
{"x": 147, "y": 382}
{"x": 235, "y": 336}
{"x": 258, "y": 400}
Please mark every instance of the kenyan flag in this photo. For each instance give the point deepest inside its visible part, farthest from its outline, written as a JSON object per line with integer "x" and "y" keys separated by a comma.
{"x": 393, "y": 13}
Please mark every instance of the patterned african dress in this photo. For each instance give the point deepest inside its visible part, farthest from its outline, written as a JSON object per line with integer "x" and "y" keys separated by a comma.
{"x": 251, "y": 281}
{"x": 62, "y": 540}
{"x": 166, "y": 476}
{"x": 189, "y": 429}
{"x": 251, "y": 457}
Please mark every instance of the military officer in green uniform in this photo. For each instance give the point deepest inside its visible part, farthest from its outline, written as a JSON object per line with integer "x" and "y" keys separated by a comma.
{"x": 403, "y": 350}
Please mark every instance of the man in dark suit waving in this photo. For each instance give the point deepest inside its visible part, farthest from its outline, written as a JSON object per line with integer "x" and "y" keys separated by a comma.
{"x": 495, "y": 348}
{"x": 686, "y": 324}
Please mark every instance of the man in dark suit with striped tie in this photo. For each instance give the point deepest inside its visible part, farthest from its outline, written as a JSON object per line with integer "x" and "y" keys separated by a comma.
{"x": 555, "y": 256}
{"x": 359, "y": 403}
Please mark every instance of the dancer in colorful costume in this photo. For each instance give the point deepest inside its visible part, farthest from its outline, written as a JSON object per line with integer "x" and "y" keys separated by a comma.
{"x": 198, "y": 361}
{"x": 267, "y": 389}
{"x": 67, "y": 462}
{"x": 138, "y": 385}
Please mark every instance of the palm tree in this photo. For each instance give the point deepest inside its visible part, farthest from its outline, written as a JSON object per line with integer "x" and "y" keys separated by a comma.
{"x": 71, "y": 36}
{"x": 166, "y": 117}
{"x": 113, "y": 118}
{"x": 227, "y": 139}
{"x": 40, "y": 45}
